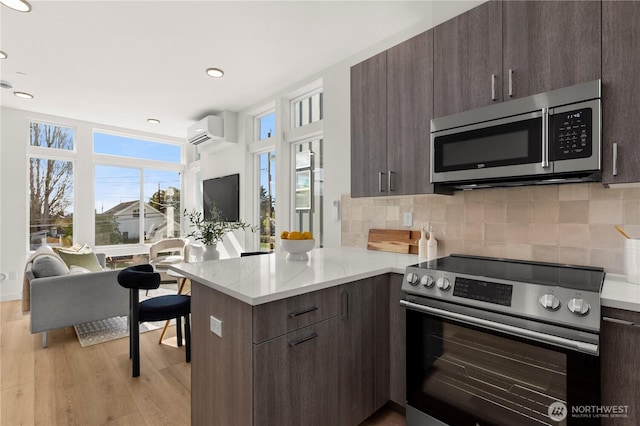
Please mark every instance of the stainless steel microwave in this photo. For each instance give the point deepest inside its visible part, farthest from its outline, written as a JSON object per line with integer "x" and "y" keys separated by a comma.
{"x": 551, "y": 137}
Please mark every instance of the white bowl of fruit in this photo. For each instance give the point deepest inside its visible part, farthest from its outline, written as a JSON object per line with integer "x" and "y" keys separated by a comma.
{"x": 297, "y": 244}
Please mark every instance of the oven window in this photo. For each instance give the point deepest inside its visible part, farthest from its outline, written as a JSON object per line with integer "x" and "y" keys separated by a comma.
{"x": 485, "y": 376}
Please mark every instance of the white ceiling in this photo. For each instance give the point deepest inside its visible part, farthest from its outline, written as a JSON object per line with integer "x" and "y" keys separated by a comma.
{"x": 121, "y": 62}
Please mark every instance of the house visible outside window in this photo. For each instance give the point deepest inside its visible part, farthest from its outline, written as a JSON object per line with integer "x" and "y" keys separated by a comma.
{"x": 137, "y": 176}
{"x": 51, "y": 168}
{"x": 306, "y": 109}
{"x": 308, "y": 182}
{"x": 307, "y": 178}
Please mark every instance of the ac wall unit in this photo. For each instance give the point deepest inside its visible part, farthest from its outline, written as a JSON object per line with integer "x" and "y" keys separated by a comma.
{"x": 209, "y": 128}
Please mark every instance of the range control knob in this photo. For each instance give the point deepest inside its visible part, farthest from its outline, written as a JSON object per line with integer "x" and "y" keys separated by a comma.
{"x": 578, "y": 306}
{"x": 550, "y": 302}
{"x": 443, "y": 284}
{"x": 427, "y": 281}
{"x": 412, "y": 278}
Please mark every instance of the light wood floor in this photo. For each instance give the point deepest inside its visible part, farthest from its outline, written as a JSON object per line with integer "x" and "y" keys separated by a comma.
{"x": 68, "y": 385}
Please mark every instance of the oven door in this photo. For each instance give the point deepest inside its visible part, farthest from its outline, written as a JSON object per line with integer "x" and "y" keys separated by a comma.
{"x": 463, "y": 374}
{"x": 503, "y": 148}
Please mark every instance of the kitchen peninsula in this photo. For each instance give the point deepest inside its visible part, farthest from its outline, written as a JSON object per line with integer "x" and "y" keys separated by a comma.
{"x": 317, "y": 342}
{"x": 288, "y": 342}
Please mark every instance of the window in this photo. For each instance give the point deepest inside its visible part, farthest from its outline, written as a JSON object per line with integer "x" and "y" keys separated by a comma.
{"x": 308, "y": 184}
{"x": 51, "y": 136}
{"x": 136, "y": 202}
{"x": 105, "y": 143}
{"x": 307, "y": 109}
{"x": 266, "y": 173}
{"x": 51, "y": 186}
{"x": 266, "y": 126}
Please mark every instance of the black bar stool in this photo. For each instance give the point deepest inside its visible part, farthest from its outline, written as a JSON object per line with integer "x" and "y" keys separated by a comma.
{"x": 161, "y": 308}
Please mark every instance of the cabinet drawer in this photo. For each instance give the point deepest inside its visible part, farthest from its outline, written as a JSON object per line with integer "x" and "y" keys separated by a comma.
{"x": 283, "y": 316}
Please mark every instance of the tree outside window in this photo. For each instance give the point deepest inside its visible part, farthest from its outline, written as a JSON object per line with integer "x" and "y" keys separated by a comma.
{"x": 50, "y": 188}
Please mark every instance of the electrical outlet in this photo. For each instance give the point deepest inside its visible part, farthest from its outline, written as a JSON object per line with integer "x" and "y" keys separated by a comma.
{"x": 408, "y": 219}
{"x": 215, "y": 325}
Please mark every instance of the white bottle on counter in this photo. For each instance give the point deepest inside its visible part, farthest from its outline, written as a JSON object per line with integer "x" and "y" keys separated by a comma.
{"x": 432, "y": 245}
{"x": 422, "y": 245}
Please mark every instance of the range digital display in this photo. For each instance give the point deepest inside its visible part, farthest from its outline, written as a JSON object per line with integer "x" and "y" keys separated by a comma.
{"x": 484, "y": 291}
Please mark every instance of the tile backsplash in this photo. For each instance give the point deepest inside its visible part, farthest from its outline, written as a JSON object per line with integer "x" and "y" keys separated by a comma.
{"x": 571, "y": 223}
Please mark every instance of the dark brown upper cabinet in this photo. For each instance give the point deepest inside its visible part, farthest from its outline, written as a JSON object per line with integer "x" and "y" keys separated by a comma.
{"x": 620, "y": 91}
{"x": 500, "y": 51}
{"x": 468, "y": 60}
{"x": 549, "y": 45}
{"x": 391, "y": 110}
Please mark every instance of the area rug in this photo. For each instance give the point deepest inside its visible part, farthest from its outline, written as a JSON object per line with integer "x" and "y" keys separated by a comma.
{"x": 93, "y": 333}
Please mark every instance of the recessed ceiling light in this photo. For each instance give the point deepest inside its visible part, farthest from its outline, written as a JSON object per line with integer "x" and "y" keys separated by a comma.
{"x": 23, "y": 95}
{"x": 215, "y": 72}
{"x": 153, "y": 121}
{"x": 19, "y": 5}
{"x": 3, "y": 55}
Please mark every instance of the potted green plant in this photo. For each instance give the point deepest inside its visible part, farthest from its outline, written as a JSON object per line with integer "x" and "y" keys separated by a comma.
{"x": 211, "y": 231}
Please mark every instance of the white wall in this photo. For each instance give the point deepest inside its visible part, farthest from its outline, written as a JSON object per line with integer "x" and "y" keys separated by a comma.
{"x": 336, "y": 125}
{"x": 14, "y": 190}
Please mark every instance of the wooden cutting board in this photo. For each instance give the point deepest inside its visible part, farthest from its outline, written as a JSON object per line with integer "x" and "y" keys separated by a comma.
{"x": 393, "y": 240}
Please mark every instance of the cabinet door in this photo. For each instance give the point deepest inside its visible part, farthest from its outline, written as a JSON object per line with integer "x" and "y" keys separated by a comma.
{"x": 369, "y": 127}
{"x": 549, "y": 45}
{"x": 621, "y": 91}
{"x": 295, "y": 377}
{"x": 409, "y": 112}
{"x": 467, "y": 53}
{"x": 619, "y": 354}
{"x": 397, "y": 342}
{"x": 355, "y": 353}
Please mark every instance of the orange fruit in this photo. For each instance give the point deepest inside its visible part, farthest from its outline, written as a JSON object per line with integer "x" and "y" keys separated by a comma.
{"x": 284, "y": 235}
{"x": 307, "y": 235}
{"x": 295, "y": 235}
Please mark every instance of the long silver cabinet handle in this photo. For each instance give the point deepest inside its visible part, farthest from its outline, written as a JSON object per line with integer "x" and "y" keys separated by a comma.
{"x": 588, "y": 348}
{"x": 615, "y": 159}
{"x": 380, "y": 174}
{"x": 510, "y": 83}
{"x": 493, "y": 87}
{"x": 545, "y": 138}
{"x": 304, "y": 339}
{"x": 302, "y": 311}
{"x": 618, "y": 321}
{"x": 389, "y": 185}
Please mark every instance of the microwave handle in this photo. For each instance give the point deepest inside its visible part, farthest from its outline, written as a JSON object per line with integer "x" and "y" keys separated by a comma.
{"x": 545, "y": 138}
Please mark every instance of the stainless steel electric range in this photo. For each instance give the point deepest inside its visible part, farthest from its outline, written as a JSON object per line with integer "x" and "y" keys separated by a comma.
{"x": 501, "y": 342}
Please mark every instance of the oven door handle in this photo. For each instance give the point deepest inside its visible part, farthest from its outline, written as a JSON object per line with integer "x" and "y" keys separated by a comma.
{"x": 588, "y": 348}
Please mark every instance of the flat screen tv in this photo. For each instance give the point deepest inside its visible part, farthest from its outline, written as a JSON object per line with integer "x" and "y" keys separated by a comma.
{"x": 224, "y": 193}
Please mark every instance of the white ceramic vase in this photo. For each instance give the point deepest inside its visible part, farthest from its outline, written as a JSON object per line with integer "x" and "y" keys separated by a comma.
{"x": 211, "y": 253}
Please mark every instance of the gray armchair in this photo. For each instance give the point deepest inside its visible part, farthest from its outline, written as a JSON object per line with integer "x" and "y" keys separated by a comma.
{"x": 69, "y": 299}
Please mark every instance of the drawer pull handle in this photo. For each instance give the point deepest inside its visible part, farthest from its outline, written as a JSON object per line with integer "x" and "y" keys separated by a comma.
{"x": 302, "y": 311}
{"x": 618, "y": 321}
{"x": 304, "y": 339}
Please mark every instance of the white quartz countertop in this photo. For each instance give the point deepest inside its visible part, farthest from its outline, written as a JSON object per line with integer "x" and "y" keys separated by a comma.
{"x": 619, "y": 293}
{"x": 268, "y": 277}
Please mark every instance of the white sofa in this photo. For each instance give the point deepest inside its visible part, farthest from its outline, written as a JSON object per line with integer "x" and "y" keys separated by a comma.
{"x": 70, "y": 299}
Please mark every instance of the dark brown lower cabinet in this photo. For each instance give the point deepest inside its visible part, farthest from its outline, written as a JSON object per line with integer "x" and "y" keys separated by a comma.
{"x": 295, "y": 377}
{"x": 397, "y": 342}
{"x": 363, "y": 349}
{"x": 620, "y": 364}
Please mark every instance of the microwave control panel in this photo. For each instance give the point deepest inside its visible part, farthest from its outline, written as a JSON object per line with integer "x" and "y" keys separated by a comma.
{"x": 571, "y": 135}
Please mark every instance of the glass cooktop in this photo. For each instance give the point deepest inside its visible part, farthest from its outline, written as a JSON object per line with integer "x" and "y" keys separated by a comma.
{"x": 585, "y": 278}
